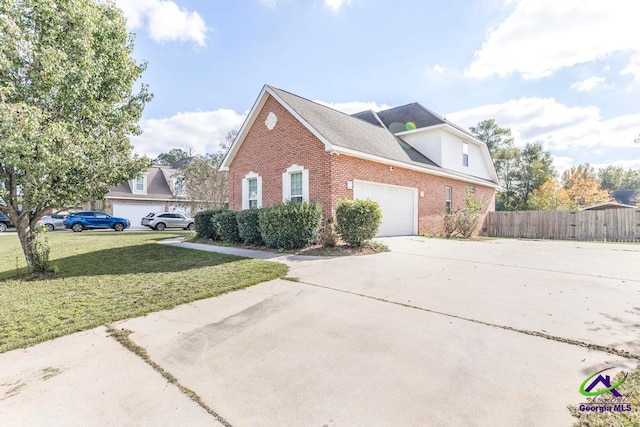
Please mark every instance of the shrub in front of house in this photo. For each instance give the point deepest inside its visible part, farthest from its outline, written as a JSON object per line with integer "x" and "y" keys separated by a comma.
{"x": 290, "y": 225}
{"x": 249, "y": 226}
{"x": 327, "y": 236}
{"x": 226, "y": 225}
{"x": 463, "y": 222}
{"x": 358, "y": 220}
{"x": 204, "y": 227}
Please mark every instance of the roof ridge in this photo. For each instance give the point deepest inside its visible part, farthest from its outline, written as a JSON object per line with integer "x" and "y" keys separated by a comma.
{"x": 324, "y": 106}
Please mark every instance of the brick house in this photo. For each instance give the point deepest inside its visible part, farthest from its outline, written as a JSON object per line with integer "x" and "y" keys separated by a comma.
{"x": 413, "y": 162}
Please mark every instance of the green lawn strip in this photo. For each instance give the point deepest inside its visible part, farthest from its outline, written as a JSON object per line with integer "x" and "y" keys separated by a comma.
{"x": 630, "y": 390}
{"x": 105, "y": 278}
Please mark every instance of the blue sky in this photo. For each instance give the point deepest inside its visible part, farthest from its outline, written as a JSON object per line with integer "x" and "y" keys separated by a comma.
{"x": 564, "y": 74}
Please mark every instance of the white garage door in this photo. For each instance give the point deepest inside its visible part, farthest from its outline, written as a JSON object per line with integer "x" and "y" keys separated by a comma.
{"x": 398, "y": 205}
{"x": 134, "y": 212}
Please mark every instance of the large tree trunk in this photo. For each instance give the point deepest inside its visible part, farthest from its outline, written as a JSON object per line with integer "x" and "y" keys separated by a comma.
{"x": 26, "y": 236}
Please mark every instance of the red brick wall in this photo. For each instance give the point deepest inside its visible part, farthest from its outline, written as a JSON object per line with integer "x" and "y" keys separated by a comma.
{"x": 270, "y": 153}
{"x": 431, "y": 207}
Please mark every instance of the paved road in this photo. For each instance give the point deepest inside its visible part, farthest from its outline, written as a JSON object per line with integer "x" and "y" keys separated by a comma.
{"x": 417, "y": 336}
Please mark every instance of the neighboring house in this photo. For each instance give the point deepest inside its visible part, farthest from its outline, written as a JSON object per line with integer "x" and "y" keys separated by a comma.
{"x": 413, "y": 162}
{"x": 625, "y": 197}
{"x": 608, "y": 205}
{"x": 161, "y": 188}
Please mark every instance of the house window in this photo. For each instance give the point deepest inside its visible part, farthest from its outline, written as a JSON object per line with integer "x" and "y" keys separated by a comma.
{"x": 465, "y": 154}
{"x": 447, "y": 199}
{"x": 180, "y": 188}
{"x": 296, "y": 187}
{"x": 140, "y": 184}
{"x": 251, "y": 191}
{"x": 295, "y": 184}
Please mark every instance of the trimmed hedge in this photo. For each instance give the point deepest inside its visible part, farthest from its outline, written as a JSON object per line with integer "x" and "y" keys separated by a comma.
{"x": 290, "y": 225}
{"x": 204, "y": 227}
{"x": 249, "y": 226}
{"x": 358, "y": 220}
{"x": 227, "y": 226}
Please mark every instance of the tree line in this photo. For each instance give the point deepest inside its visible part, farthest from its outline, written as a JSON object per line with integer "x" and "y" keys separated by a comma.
{"x": 529, "y": 181}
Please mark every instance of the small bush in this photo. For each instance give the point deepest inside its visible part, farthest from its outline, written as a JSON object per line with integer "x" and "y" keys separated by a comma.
{"x": 450, "y": 224}
{"x": 327, "y": 236}
{"x": 204, "y": 227}
{"x": 41, "y": 250}
{"x": 463, "y": 222}
{"x": 227, "y": 226}
{"x": 358, "y": 220}
{"x": 249, "y": 226}
{"x": 290, "y": 225}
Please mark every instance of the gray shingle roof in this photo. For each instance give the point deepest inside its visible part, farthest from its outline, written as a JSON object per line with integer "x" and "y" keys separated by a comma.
{"x": 357, "y": 133}
{"x": 157, "y": 186}
{"x": 346, "y": 131}
{"x": 368, "y": 116}
{"x": 396, "y": 119}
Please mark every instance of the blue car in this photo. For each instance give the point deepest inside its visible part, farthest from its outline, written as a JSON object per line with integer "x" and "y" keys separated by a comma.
{"x": 88, "y": 220}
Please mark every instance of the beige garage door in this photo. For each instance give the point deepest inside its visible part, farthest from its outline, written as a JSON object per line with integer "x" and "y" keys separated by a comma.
{"x": 398, "y": 204}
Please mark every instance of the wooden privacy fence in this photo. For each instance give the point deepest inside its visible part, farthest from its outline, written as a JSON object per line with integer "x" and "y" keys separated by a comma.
{"x": 614, "y": 225}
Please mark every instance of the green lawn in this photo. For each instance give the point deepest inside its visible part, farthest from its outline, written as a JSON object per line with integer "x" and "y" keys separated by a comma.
{"x": 108, "y": 276}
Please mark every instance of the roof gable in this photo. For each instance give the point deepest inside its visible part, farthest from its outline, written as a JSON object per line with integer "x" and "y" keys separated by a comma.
{"x": 360, "y": 135}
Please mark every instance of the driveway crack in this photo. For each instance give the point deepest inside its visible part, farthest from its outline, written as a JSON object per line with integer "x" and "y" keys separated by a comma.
{"x": 579, "y": 343}
{"x": 122, "y": 336}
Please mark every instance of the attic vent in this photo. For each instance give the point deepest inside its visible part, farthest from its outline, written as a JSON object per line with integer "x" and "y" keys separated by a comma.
{"x": 271, "y": 121}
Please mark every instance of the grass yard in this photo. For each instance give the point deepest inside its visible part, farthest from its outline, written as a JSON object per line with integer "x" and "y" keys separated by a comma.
{"x": 104, "y": 277}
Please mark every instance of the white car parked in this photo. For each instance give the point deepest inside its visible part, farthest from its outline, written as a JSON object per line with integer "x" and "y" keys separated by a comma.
{"x": 161, "y": 220}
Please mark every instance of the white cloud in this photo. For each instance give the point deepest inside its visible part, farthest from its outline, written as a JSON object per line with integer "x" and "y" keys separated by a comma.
{"x": 437, "y": 69}
{"x": 354, "y": 107}
{"x": 562, "y": 163}
{"x": 164, "y": 20}
{"x": 336, "y": 5}
{"x": 201, "y": 130}
{"x": 623, "y": 163}
{"x": 633, "y": 68}
{"x": 542, "y": 36}
{"x": 268, "y": 3}
{"x": 591, "y": 83}
{"x": 555, "y": 125}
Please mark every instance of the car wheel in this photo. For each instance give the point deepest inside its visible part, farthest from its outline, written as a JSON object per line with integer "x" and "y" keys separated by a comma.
{"x": 160, "y": 226}
{"x": 118, "y": 226}
{"x": 49, "y": 227}
{"x": 77, "y": 227}
{"x": 191, "y": 227}
{"x": 3, "y": 227}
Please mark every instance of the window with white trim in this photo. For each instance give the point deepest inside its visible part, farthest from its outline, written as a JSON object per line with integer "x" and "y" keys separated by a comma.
{"x": 251, "y": 191}
{"x": 295, "y": 184}
{"x": 139, "y": 184}
{"x": 296, "y": 187}
{"x": 465, "y": 154}
{"x": 447, "y": 199}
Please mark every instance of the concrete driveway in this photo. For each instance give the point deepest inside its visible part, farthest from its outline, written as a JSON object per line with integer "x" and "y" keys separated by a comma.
{"x": 435, "y": 332}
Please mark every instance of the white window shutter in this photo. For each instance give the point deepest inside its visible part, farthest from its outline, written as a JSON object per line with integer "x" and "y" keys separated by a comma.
{"x": 245, "y": 193}
{"x": 259, "y": 191}
{"x": 286, "y": 187}
{"x": 305, "y": 185}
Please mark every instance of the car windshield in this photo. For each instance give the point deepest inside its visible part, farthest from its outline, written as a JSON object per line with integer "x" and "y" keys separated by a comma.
{"x": 150, "y": 215}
